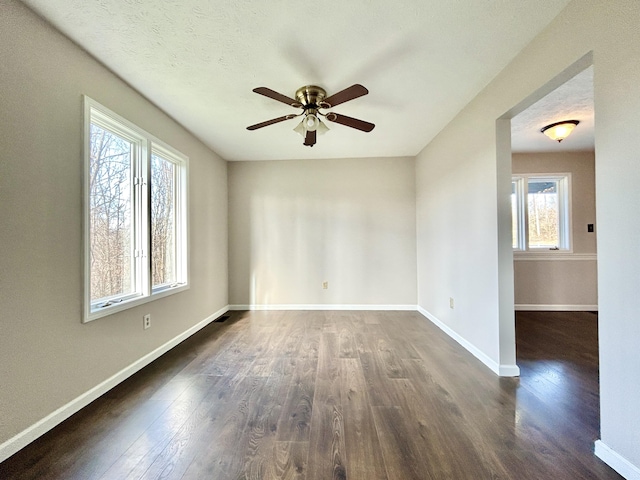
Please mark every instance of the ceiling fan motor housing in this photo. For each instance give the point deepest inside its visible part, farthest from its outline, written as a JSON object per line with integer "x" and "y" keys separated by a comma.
{"x": 311, "y": 96}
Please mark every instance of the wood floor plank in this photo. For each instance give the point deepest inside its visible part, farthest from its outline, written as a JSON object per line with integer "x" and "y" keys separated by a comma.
{"x": 265, "y": 353}
{"x": 288, "y": 461}
{"x": 237, "y": 357}
{"x": 347, "y": 342}
{"x": 379, "y": 386}
{"x": 372, "y": 318}
{"x": 395, "y": 329}
{"x": 326, "y": 444}
{"x": 327, "y": 389}
{"x": 262, "y": 426}
{"x": 363, "y": 451}
{"x": 389, "y": 359}
{"x": 296, "y": 415}
{"x": 400, "y": 454}
{"x": 206, "y": 361}
{"x": 326, "y": 459}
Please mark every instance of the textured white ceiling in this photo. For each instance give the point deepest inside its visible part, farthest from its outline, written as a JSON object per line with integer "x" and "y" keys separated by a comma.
{"x": 198, "y": 60}
{"x": 571, "y": 101}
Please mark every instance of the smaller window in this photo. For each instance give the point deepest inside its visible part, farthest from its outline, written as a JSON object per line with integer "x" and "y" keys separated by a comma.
{"x": 166, "y": 236}
{"x": 540, "y": 210}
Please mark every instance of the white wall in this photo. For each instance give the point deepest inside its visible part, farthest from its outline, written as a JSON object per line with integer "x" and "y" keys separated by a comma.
{"x": 565, "y": 281}
{"x": 460, "y": 172}
{"x": 295, "y": 224}
{"x": 457, "y": 234}
{"x": 47, "y": 356}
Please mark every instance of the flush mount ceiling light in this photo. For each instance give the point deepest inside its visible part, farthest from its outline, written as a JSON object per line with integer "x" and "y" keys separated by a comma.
{"x": 560, "y": 130}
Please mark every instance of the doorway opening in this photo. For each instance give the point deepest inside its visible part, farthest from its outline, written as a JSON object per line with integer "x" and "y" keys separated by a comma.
{"x": 555, "y": 252}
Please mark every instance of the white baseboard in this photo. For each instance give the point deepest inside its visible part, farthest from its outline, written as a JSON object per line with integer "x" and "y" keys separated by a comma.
{"x": 616, "y": 461}
{"x": 501, "y": 370}
{"x": 555, "y": 308}
{"x": 296, "y": 306}
{"x": 41, "y": 427}
{"x": 509, "y": 370}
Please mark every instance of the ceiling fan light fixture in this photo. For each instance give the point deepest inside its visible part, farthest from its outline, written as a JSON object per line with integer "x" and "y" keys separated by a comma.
{"x": 300, "y": 129}
{"x": 560, "y": 130}
{"x": 311, "y": 122}
{"x": 322, "y": 128}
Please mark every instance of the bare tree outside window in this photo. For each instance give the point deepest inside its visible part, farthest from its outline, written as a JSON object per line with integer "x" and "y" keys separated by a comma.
{"x": 163, "y": 224}
{"x": 110, "y": 200}
{"x": 543, "y": 214}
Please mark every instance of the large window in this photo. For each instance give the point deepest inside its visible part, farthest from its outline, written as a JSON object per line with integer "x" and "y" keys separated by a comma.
{"x": 135, "y": 215}
{"x": 540, "y": 210}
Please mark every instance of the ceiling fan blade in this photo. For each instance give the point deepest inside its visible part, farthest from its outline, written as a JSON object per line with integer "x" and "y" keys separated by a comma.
{"x": 350, "y": 122}
{"x": 310, "y": 139}
{"x": 354, "y": 91}
{"x": 267, "y": 92}
{"x": 271, "y": 122}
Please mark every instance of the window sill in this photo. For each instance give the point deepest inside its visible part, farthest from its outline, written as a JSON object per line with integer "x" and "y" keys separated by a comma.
{"x": 134, "y": 302}
{"x": 552, "y": 255}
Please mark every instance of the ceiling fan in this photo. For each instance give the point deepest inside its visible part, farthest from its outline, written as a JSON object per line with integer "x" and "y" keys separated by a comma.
{"x": 311, "y": 99}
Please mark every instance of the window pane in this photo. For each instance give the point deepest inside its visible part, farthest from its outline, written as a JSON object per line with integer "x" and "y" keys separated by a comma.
{"x": 110, "y": 230}
{"x": 163, "y": 222}
{"x": 543, "y": 214}
{"x": 514, "y": 215}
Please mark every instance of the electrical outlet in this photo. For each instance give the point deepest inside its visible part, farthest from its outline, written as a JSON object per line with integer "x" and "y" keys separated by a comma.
{"x": 325, "y": 285}
{"x": 146, "y": 321}
{"x": 450, "y": 302}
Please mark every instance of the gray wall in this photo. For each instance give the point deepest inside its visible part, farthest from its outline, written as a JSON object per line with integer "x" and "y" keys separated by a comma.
{"x": 565, "y": 281}
{"x": 47, "y": 356}
{"x": 296, "y": 224}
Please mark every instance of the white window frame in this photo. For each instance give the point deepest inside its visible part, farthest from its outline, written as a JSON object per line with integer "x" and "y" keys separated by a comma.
{"x": 564, "y": 211}
{"x": 144, "y": 145}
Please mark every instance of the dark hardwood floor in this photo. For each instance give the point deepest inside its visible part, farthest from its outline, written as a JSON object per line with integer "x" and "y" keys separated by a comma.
{"x": 339, "y": 395}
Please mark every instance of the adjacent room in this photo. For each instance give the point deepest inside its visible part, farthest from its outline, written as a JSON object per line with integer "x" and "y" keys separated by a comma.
{"x": 301, "y": 240}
